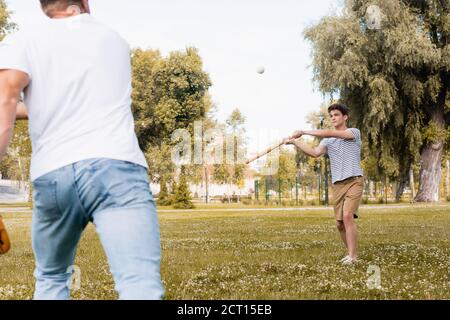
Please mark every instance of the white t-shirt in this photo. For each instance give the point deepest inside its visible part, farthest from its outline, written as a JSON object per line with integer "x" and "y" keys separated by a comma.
{"x": 79, "y": 96}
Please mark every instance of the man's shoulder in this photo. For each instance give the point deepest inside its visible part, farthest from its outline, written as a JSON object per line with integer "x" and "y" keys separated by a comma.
{"x": 29, "y": 32}
{"x": 105, "y": 29}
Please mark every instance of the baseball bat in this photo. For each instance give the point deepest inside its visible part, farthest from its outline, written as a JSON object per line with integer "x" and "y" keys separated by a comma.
{"x": 262, "y": 154}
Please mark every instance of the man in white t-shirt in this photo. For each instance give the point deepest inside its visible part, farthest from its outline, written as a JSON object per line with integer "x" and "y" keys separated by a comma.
{"x": 86, "y": 163}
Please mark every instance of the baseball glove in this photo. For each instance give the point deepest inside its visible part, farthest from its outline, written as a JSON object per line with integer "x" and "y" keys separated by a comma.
{"x": 5, "y": 244}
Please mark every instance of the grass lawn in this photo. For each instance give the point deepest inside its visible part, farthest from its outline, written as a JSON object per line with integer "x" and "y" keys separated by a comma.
{"x": 267, "y": 255}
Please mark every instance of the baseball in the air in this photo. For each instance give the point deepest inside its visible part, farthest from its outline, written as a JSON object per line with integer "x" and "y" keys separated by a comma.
{"x": 260, "y": 70}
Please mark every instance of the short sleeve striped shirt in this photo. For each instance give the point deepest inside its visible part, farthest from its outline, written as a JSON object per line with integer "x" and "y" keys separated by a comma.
{"x": 345, "y": 156}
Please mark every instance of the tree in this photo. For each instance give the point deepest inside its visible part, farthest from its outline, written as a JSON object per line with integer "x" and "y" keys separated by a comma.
{"x": 314, "y": 118}
{"x": 231, "y": 171}
{"x": 6, "y": 26}
{"x": 199, "y": 174}
{"x": 168, "y": 94}
{"x": 164, "y": 199}
{"x": 236, "y": 124}
{"x": 394, "y": 78}
{"x": 287, "y": 171}
{"x": 182, "y": 198}
{"x": 221, "y": 175}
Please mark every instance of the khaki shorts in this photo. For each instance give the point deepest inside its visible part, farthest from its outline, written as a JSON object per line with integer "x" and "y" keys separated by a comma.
{"x": 347, "y": 196}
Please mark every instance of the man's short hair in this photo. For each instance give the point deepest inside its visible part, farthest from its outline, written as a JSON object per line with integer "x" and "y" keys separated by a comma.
{"x": 338, "y": 106}
{"x": 62, "y": 4}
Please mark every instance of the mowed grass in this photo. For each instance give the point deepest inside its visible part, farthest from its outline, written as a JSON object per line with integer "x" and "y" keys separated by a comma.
{"x": 267, "y": 255}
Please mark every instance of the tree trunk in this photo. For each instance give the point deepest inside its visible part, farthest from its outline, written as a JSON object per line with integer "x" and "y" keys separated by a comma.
{"x": 375, "y": 193}
{"x": 411, "y": 183}
{"x": 447, "y": 182}
{"x": 206, "y": 185}
{"x": 430, "y": 174}
{"x": 402, "y": 181}
{"x": 386, "y": 189}
{"x": 431, "y": 160}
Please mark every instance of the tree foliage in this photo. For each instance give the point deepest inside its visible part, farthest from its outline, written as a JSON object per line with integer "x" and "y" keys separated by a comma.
{"x": 394, "y": 78}
{"x": 6, "y": 25}
{"x": 234, "y": 133}
{"x": 169, "y": 93}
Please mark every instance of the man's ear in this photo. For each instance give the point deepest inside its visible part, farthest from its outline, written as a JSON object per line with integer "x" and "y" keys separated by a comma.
{"x": 86, "y": 7}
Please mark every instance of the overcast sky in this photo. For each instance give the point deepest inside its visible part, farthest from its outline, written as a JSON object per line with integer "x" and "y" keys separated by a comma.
{"x": 234, "y": 38}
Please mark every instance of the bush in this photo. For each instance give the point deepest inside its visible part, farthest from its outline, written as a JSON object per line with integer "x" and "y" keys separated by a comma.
{"x": 182, "y": 198}
{"x": 184, "y": 205}
{"x": 232, "y": 199}
{"x": 164, "y": 198}
{"x": 165, "y": 201}
{"x": 293, "y": 203}
{"x": 314, "y": 202}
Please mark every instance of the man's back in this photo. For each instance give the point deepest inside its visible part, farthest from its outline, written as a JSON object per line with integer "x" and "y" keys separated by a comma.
{"x": 79, "y": 96}
{"x": 86, "y": 163}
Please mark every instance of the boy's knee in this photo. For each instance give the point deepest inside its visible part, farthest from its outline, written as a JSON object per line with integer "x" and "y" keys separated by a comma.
{"x": 348, "y": 217}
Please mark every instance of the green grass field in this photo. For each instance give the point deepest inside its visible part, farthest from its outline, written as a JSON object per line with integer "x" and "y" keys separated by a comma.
{"x": 267, "y": 255}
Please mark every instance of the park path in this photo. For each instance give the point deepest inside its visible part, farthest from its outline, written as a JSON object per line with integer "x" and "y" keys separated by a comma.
{"x": 365, "y": 207}
{"x": 291, "y": 209}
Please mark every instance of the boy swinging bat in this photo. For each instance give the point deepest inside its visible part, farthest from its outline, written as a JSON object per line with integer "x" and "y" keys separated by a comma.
{"x": 343, "y": 145}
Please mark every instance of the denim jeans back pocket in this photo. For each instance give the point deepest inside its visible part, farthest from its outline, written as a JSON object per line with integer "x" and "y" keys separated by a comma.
{"x": 45, "y": 200}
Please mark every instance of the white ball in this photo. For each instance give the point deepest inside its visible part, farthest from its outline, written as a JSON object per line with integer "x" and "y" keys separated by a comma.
{"x": 260, "y": 70}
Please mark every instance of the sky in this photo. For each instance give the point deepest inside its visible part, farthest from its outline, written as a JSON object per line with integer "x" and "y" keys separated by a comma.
{"x": 234, "y": 39}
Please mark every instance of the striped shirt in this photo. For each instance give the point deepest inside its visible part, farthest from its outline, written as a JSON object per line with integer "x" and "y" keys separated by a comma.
{"x": 345, "y": 156}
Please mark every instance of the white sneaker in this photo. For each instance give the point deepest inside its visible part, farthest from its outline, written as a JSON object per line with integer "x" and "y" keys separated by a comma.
{"x": 349, "y": 261}
{"x": 345, "y": 258}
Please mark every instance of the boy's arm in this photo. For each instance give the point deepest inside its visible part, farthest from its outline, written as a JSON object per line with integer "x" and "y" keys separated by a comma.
{"x": 312, "y": 152}
{"x": 341, "y": 134}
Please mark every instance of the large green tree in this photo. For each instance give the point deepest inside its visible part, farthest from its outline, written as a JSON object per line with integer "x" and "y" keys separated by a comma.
{"x": 395, "y": 75}
{"x": 169, "y": 93}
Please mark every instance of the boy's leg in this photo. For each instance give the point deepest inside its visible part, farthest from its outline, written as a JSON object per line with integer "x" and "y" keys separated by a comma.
{"x": 351, "y": 204}
{"x": 342, "y": 232}
{"x": 338, "y": 192}
{"x": 351, "y": 235}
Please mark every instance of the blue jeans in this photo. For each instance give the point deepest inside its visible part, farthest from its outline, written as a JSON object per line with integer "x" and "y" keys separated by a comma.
{"x": 116, "y": 197}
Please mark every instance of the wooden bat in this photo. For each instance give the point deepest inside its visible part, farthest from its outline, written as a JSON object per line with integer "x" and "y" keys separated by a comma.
{"x": 262, "y": 154}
